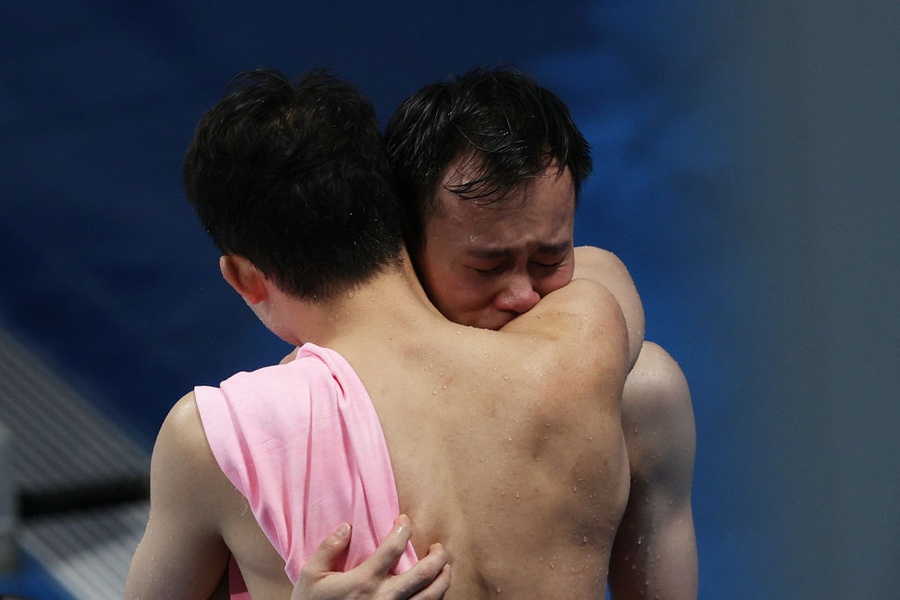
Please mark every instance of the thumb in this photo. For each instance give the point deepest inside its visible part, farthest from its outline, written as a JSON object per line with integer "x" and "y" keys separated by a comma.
{"x": 323, "y": 560}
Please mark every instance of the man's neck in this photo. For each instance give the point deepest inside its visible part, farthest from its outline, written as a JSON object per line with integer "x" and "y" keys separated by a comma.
{"x": 391, "y": 301}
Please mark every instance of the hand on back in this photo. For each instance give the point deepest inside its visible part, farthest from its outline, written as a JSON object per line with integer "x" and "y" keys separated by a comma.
{"x": 429, "y": 579}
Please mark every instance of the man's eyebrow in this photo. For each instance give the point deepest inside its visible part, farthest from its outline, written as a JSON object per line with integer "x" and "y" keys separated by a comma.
{"x": 503, "y": 252}
{"x": 559, "y": 248}
{"x": 489, "y": 253}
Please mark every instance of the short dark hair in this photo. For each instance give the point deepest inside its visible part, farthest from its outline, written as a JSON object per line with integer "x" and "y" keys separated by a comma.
{"x": 511, "y": 128}
{"x": 295, "y": 178}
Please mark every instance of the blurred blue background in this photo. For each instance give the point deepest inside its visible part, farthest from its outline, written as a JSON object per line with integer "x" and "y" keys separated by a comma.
{"x": 746, "y": 170}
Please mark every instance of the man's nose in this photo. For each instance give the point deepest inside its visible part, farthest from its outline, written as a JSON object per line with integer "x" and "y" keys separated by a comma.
{"x": 518, "y": 296}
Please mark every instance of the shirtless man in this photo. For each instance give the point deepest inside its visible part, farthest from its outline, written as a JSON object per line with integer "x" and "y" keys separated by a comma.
{"x": 460, "y": 145}
{"x": 506, "y": 446}
{"x": 454, "y": 241}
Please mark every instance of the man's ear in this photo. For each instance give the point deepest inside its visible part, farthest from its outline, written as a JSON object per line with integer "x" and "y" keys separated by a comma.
{"x": 244, "y": 277}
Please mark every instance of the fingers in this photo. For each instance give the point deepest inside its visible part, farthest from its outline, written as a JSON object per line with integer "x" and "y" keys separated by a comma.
{"x": 391, "y": 549}
{"x": 314, "y": 582}
{"x": 331, "y": 547}
{"x": 428, "y": 579}
{"x": 437, "y": 588}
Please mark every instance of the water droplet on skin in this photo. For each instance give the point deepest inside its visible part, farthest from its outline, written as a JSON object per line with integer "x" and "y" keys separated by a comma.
{"x": 351, "y": 293}
{"x": 434, "y": 392}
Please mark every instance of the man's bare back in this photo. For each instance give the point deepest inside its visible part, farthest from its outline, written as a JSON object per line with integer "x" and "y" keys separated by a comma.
{"x": 506, "y": 446}
{"x": 511, "y": 453}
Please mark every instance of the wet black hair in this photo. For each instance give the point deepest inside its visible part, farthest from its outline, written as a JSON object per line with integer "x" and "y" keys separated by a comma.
{"x": 295, "y": 178}
{"x": 504, "y": 125}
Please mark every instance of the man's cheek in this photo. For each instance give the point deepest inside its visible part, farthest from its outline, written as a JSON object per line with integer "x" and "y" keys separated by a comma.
{"x": 474, "y": 297}
{"x": 556, "y": 281}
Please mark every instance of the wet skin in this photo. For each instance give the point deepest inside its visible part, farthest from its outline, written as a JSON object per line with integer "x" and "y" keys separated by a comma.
{"x": 484, "y": 264}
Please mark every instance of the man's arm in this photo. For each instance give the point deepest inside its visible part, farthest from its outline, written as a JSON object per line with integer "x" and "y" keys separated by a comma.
{"x": 605, "y": 268}
{"x": 655, "y": 551}
{"x": 182, "y": 554}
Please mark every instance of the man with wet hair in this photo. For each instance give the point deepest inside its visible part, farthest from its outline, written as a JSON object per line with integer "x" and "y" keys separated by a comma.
{"x": 488, "y": 243}
{"x": 506, "y": 447}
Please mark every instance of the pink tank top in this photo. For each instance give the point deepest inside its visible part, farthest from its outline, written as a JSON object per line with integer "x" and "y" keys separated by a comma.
{"x": 303, "y": 443}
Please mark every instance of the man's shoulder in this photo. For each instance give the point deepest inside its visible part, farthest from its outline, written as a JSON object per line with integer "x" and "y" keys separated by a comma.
{"x": 183, "y": 467}
{"x": 605, "y": 268}
{"x": 582, "y": 318}
{"x": 182, "y": 432}
{"x": 574, "y": 336}
{"x": 575, "y": 309}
